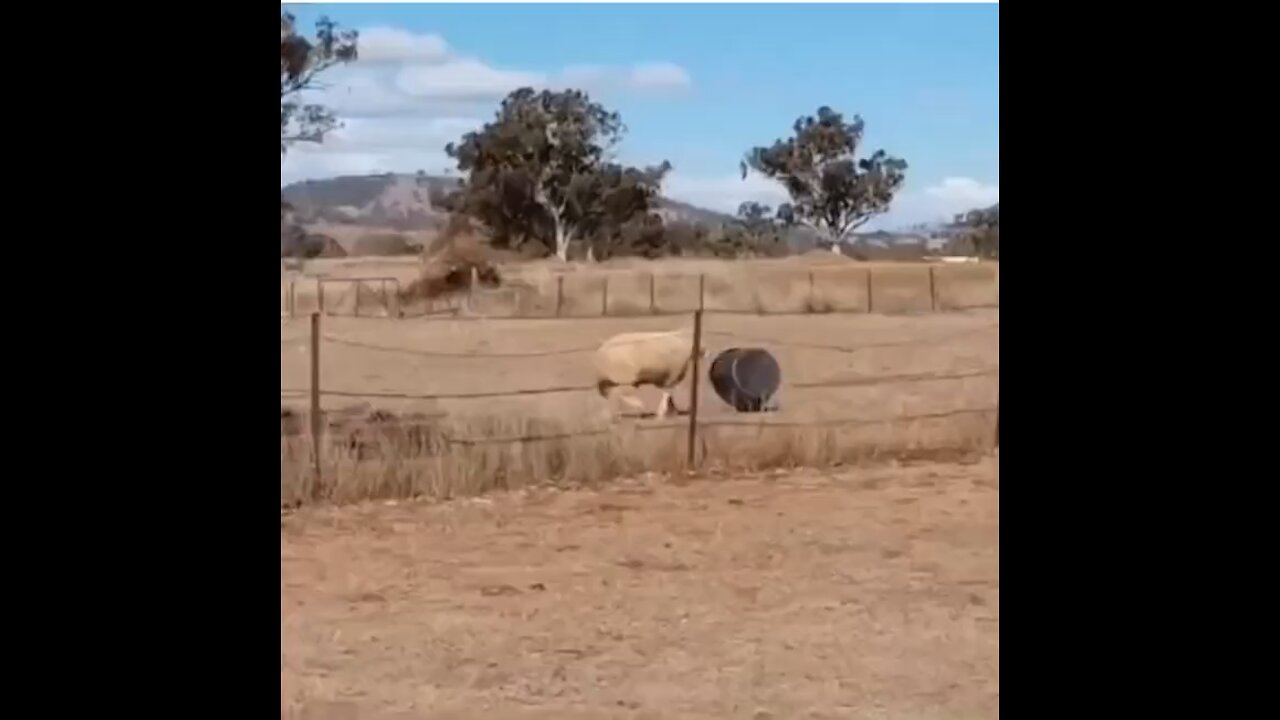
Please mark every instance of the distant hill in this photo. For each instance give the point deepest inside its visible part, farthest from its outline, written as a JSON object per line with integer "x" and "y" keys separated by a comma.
{"x": 410, "y": 203}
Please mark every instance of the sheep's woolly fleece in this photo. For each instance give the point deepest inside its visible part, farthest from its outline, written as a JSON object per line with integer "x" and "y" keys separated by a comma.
{"x": 654, "y": 358}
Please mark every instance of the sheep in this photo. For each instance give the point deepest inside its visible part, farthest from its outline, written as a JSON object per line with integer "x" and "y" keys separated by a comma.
{"x": 633, "y": 359}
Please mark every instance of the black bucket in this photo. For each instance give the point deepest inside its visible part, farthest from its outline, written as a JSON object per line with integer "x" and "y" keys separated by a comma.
{"x": 745, "y": 378}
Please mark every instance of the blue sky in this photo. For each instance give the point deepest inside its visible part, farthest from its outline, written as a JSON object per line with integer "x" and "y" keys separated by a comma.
{"x": 696, "y": 84}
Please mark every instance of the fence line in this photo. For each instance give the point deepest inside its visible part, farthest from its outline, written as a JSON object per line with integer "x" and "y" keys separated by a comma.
{"x": 893, "y": 379}
{"x": 316, "y": 392}
{"x": 847, "y": 349}
{"x": 807, "y": 384}
{"x": 824, "y": 422}
{"x": 452, "y": 396}
{"x": 522, "y": 439}
{"x": 395, "y": 311}
{"x": 843, "y": 382}
{"x": 591, "y": 348}
{"x": 441, "y": 353}
{"x": 451, "y": 315}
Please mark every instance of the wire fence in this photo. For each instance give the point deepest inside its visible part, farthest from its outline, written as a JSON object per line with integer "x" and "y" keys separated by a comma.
{"x": 923, "y": 288}
{"x": 691, "y": 422}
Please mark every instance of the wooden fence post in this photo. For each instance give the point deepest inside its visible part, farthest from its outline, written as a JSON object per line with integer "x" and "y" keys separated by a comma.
{"x": 652, "y": 309}
{"x": 933, "y": 292}
{"x": 320, "y": 294}
{"x": 997, "y": 419}
{"x": 869, "y": 306}
{"x": 559, "y": 293}
{"x": 702, "y": 294}
{"x": 315, "y": 396}
{"x": 293, "y": 299}
{"x": 693, "y": 391}
{"x": 604, "y": 302}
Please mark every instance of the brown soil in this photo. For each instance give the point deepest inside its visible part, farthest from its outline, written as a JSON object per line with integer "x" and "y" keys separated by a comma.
{"x": 870, "y": 593}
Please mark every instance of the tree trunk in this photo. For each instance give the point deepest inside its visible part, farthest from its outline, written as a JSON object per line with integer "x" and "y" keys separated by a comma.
{"x": 562, "y": 242}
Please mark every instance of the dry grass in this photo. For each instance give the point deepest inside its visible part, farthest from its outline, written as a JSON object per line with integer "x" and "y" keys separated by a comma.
{"x": 465, "y": 457}
{"x": 867, "y": 593}
{"x": 959, "y": 350}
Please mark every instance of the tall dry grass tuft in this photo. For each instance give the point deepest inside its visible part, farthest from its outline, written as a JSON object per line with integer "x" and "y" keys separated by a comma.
{"x": 470, "y": 456}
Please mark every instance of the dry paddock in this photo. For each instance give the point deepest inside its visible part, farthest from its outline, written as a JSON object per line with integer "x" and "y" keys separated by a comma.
{"x": 858, "y": 593}
{"x": 872, "y": 383}
{"x": 417, "y": 358}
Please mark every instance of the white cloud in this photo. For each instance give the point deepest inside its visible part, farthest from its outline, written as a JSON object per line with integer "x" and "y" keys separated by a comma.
{"x": 306, "y": 162}
{"x": 659, "y": 76}
{"x": 723, "y": 193}
{"x": 409, "y": 94}
{"x": 964, "y": 193}
{"x": 643, "y": 77}
{"x": 390, "y": 45}
{"x": 935, "y": 203}
{"x": 376, "y": 145}
{"x": 463, "y": 80}
{"x": 939, "y": 203}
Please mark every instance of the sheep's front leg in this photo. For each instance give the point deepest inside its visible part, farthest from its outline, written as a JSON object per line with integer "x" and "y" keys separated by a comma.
{"x": 662, "y": 404}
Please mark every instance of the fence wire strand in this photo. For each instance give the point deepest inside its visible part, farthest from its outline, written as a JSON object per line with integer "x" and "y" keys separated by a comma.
{"x": 834, "y": 383}
{"x": 846, "y": 349}
{"x": 447, "y": 396}
{"x": 592, "y": 348}
{"x": 444, "y": 353}
{"x": 893, "y": 379}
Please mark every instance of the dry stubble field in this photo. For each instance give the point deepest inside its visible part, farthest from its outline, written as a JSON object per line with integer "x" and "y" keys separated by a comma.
{"x": 863, "y": 593}
{"x": 866, "y": 592}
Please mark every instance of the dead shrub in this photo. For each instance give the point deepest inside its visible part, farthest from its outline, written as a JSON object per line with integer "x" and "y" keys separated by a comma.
{"x": 297, "y": 243}
{"x": 456, "y": 261}
{"x": 384, "y": 244}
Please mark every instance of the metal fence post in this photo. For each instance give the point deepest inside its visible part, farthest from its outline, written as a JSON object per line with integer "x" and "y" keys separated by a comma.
{"x": 315, "y": 396}
{"x": 693, "y": 391}
{"x": 933, "y": 291}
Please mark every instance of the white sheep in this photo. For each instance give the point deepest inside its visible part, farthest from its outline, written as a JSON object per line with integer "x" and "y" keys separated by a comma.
{"x": 661, "y": 359}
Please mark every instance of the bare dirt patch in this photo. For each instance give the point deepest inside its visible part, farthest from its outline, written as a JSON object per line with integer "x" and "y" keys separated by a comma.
{"x": 865, "y": 593}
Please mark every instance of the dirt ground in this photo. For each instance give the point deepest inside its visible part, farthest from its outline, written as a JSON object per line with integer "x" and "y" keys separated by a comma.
{"x": 867, "y": 593}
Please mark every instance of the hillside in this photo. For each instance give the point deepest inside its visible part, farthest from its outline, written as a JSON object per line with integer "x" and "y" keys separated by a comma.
{"x": 411, "y": 202}
{"x": 345, "y": 206}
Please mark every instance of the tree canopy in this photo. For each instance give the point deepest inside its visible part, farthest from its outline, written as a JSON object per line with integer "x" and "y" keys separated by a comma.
{"x": 831, "y": 191}
{"x": 542, "y": 172}
{"x": 983, "y": 230}
{"x": 301, "y": 60}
